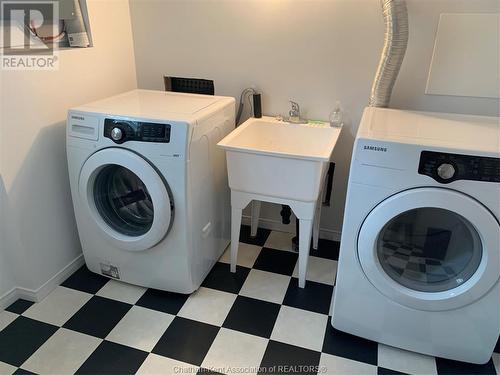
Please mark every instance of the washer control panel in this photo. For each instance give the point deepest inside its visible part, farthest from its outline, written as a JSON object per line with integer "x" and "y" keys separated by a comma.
{"x": 445, "y": 168}
{"x": 120, "y": 131}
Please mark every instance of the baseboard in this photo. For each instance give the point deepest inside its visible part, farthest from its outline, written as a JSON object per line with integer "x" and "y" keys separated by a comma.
{"x": 36, "y": 295}
{"x": 271, "y": 224}
{"x": 327, "y": 234}
{"x": 330, "y": 234}
{"x": 8, "y": 298}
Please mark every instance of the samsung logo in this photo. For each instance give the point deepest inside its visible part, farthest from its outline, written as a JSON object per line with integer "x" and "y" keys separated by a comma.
{"x": 78, "y": 118}
{"x": 375, "y": 148}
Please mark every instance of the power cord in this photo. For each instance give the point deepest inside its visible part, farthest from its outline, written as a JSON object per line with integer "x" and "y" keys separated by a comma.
{"x": 51, "y": 38}
{"x": 245, "y": 93}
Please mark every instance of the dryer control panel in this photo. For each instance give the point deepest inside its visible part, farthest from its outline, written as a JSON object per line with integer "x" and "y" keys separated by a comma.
{"x": 445, "y": 168}
{"x": 120, "y": 131}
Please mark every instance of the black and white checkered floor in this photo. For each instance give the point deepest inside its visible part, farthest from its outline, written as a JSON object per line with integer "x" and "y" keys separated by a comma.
{"x": 235, "y": 323}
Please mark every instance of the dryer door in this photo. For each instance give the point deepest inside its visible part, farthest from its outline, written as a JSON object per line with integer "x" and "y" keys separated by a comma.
{"x": 126, "y": 198}
{"x": 430, "y": 249}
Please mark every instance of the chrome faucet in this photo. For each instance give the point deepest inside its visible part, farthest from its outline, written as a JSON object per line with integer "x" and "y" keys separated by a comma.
{"x": 294, "y": 114}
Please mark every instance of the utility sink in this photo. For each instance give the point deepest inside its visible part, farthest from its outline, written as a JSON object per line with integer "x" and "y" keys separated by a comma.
{"x": 275, "y": 158}
{"x": 278, "y": 162}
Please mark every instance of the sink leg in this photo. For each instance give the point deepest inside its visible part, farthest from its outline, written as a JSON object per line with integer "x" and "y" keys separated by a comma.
{"x": 317, "y": 218}
{"x": 254, "y": 224}
{"x": 305, "y": 229}
{"x": 235, "y": 235}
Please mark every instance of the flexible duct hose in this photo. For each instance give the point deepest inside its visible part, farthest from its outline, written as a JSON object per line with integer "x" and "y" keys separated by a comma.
{"x": 395, "y": 42}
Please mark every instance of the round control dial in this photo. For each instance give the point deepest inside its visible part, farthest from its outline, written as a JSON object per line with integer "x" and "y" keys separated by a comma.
{"x": 116, "y": 134}
{"x": 446, "y": 171}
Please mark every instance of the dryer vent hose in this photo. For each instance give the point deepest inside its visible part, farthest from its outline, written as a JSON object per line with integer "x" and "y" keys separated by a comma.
{"x": 395, "y": 42}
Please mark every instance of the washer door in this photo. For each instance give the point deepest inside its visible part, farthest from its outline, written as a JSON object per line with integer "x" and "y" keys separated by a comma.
{"x": 430, "y": 249}
{"x": 127, "y": 198}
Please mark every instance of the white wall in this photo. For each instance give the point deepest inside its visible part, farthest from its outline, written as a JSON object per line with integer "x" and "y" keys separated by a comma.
{"x": 6, "y": 276}
{"x": 311, "y": 51}
{"x": 40, "y": 236}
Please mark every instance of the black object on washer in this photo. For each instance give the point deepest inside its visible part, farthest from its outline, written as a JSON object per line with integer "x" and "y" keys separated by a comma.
{"x": 189, "y": 85}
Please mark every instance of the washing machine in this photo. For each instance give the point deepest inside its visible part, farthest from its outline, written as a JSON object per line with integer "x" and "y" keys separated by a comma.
{"x": 149, "y": 186}
{"x": 419, "y": 261}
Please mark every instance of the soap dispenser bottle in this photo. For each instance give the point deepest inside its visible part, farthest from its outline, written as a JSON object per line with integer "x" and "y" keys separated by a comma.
{"x": 336, "y": 116}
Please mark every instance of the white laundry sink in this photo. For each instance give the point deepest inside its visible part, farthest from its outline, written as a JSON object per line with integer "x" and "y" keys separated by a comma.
{"x": 275, "y": 158}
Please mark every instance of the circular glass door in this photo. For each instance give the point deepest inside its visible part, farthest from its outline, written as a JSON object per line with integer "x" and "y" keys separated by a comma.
{"x": 126, "y": 199}
{"x": 123, "y": 200}
{"x": 430, "y": 249}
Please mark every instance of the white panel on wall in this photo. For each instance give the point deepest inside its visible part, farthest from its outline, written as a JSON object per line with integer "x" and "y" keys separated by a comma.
{"x": 466, "y": 59}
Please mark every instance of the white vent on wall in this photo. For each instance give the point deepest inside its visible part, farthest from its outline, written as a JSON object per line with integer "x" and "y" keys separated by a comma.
{"x": 466, "y": 58}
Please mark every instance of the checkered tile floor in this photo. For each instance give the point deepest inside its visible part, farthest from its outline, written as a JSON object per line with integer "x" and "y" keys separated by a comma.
{"x": 235, "y": 323}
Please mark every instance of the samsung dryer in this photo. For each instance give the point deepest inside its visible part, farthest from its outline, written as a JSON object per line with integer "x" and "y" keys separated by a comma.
{"x": 419, "y": 261}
